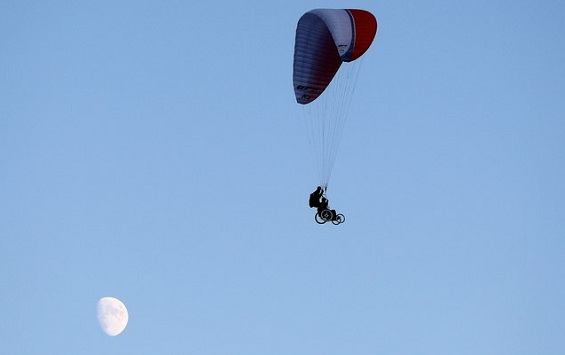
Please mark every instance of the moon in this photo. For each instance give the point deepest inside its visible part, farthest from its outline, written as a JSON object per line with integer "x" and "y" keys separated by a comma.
{"x": 112, "y": 315}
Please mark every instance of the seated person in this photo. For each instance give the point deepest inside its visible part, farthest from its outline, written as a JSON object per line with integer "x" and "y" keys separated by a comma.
{"x": 315, "y": 197}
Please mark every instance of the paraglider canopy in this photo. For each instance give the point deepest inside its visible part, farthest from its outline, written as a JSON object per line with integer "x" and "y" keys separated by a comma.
{"x": 324, "y": 39}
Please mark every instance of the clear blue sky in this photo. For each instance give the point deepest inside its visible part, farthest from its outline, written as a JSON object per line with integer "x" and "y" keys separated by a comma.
{"x": 152, "y": 151}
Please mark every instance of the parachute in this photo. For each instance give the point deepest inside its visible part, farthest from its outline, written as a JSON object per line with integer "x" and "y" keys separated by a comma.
{"x": 326, "y": 39}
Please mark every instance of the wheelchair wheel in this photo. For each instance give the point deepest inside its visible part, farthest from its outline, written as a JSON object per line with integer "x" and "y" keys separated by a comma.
{"x": 319, "y": 219}
{"x": 340, "y": 218}
{"x": 326, "y": 215}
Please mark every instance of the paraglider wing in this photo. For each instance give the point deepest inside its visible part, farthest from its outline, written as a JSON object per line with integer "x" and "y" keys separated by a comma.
{"x": 324, "y": 39}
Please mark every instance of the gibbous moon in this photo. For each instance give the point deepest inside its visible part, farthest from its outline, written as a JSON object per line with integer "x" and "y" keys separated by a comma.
{"x": 112, "y": 315}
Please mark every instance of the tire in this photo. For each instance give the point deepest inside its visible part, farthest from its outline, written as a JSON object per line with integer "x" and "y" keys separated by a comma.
{"x": 338, "y": 219}
{"x": 319, "y": 219}
{"x": 326, "y": 215}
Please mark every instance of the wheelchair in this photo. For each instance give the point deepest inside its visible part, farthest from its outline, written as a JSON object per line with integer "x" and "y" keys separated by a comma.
{"x": 329, "y": 216}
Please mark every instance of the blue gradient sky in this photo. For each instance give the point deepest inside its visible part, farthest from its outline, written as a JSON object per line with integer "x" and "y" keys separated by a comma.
{"x": 152, "y": 151}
